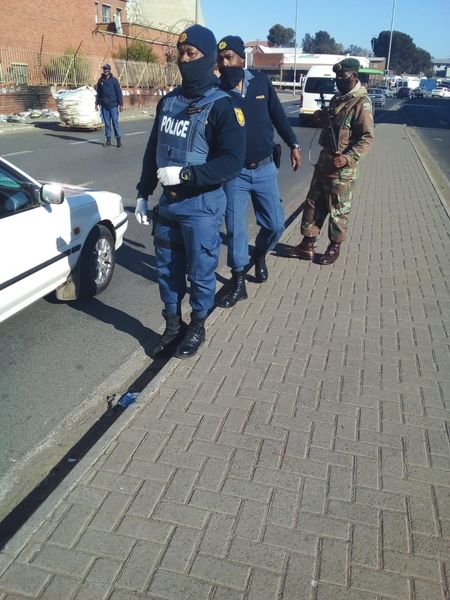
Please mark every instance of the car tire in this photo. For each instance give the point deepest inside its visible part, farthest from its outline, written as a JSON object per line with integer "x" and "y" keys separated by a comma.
{"x": 97, "y": 262}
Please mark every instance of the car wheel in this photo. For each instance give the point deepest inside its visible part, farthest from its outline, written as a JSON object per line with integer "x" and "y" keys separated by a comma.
{"x": 97, "y": 262}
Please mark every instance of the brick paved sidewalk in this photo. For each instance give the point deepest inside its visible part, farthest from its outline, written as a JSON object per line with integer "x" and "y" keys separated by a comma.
{"x": 303, "y": 455}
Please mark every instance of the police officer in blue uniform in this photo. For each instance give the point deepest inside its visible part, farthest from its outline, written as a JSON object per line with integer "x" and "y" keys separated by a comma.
{"x": 263, "y": 111}
{"x": 197, "y": 143}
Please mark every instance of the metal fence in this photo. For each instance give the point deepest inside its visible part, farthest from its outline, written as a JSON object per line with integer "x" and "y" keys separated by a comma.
{"x": 25, "y": 67}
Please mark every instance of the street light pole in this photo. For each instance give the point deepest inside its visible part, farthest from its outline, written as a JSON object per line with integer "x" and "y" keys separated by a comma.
{"x": 295, "y": 48}
{"x": 390, "y": 39}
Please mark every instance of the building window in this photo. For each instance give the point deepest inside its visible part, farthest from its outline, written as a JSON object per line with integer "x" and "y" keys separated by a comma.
{"x": 106, "y": 13}
{"x": 96, "y": 12}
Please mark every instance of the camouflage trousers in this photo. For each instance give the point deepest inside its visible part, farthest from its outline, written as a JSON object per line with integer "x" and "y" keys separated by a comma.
{"x": 328, "y": 196}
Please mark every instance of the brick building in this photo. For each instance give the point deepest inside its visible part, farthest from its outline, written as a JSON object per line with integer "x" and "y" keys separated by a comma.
{"x": 99, "y": 26}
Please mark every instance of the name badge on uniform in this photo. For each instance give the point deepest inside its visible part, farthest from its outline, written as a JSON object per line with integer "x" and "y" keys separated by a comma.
{"x": 260, "y": 97}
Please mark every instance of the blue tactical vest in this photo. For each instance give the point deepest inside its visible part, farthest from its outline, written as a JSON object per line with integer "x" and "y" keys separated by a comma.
{"x": 181, "y": 134}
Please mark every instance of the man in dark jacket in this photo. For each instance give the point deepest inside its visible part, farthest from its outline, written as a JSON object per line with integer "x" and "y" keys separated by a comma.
{"x": 263, "y": 111}
{"x": 109, "y": 98}
{"x": 196, "y": 144}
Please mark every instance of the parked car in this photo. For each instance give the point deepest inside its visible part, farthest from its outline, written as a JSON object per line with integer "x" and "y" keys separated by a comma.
{"x": 421, "y": 93}
{"x": 440, "y": 92}
{"x": 54, "y": 238}
{"x": 377, "y": 96}
{"x": 405, "y": 92}
{"x": 387, "y": 92}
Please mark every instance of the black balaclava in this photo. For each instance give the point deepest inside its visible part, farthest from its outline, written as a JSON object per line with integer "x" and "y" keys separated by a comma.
{"x": 345, "y": 85}
{"x": 198, "y": 75}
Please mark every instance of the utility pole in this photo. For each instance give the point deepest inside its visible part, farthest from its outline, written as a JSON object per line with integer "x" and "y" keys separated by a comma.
{"x": 390, "y": 40}
{"x": 295, "y": 48}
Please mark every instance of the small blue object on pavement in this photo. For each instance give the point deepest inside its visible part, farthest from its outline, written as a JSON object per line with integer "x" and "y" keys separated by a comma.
{"x": 128, "y": 399}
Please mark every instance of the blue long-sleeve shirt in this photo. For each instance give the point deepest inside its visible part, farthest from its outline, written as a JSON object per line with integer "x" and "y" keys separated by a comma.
{"x": 227, "y": 143}
{"x": 263, "y": 111}
{"x": 109, "y": 93}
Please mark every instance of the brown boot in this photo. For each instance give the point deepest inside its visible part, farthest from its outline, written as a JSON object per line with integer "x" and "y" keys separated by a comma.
{"x": 304, "y": 250}
{"x": 330, "y": 255}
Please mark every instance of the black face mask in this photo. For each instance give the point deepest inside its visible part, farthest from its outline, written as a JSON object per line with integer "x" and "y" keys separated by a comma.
{"x": 197, "y": 76}
{"x": 345, "y": 85}
{"x": 230, "y": 77}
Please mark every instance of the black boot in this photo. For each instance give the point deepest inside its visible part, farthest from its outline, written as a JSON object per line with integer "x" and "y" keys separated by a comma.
{"x": 331, "y": 254}
{"x": 237, "y": 291}
{"x": 174, "y": 332}
{"x": 304, "y": 250}
{"x": 108, "y": 142}
{"x": 119, "y": 143}
{"x": 261, "y": 272}
{"x": 194, "y": 338}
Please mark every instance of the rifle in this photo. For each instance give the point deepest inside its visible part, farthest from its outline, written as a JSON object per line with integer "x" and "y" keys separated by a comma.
{"x": 330, "y": 129}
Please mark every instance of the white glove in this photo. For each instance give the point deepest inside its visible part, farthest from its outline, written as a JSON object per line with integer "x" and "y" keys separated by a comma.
{"x": 169, "y": 175}
{"x": 141, "y": 211}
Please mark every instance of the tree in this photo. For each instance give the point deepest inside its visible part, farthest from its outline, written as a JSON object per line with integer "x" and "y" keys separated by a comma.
{"x": 281, "y": 36}
{"x": 138, "y": 51}
{"x": 405, "y": 56}
{"x": 358, "y": 51}
{"x": 321, "y": 43}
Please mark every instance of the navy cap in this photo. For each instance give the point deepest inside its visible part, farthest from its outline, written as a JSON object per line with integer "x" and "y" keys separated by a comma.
{"x": 200, "y": 37}
{"x": 232, "y": 42}
{"x": 106, "y": 67}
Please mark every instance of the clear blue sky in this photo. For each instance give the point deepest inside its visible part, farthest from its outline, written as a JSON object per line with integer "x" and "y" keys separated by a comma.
{"x": 426, "y": 21}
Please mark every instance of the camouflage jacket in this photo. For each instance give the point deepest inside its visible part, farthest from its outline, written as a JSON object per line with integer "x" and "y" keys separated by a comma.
{"x": 352, "y": 120}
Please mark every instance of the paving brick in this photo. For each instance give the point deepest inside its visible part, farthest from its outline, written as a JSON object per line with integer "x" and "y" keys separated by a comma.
{"x": 242, "y": 463}
{"x": 19, "y": 579}
{"x": 180, "y": 514}
{"x": 409, "y": 564}
{"x": 290, "y": 539}
{"x": 323, "y": 525}
{"x": 222, "y": 572}
{"x": 62, "y": 561}
{"x": 87, "y": 591}
{"x": 212, "y": 474}
{"x": 144, "y": 529}
{"x": 115, "y": 482}
{"x": 102, "y": 543}
{"x": 104, "y": 570}
{"x": 380, "y": 582}
{"x": 147, "y": 499}
{"x": 424, "y": 590}
{"x": 328, "y": 591}
{"x": 246, "y": 489}
{"x": 251, "y": 519}
{"x": 218, "y": 533}
{"x": 283, "y": 508}
{"x": 277, "y": 478}
{"x": 138, "y": 568}
{"x": 263, "y": 586}
{"x": 215, "y": 502}
{"x": 176, "y": 586}
{"x": 365, "y": 548}
{"x": 257, "y": 555}
{"x": 181, "y": 485}
{"x": 59, "y": 587}
{"x": 72, "y": 525}
{"x": 299, "y": 579}
{"x": 334, "y": 561}
{"x": 111, "y": 512}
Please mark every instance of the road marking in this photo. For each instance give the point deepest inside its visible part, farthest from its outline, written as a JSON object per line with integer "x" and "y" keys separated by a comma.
{"x": 17, "y": 153}
{"x": 135, "y": 133}
{"x": 85, "y": 142}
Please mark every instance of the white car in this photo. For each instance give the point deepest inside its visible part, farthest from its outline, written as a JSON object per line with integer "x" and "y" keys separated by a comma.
{"x": 440, "y": 92}
{"x": 54, "y": 239}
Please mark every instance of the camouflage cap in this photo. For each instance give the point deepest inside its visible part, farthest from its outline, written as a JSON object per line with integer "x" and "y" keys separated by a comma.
{"x": 348, "y": 64}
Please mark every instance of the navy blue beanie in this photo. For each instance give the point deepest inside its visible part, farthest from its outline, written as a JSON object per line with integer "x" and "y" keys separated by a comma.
{"x": 232, "y": 42}
{"x": 200, "y": 37}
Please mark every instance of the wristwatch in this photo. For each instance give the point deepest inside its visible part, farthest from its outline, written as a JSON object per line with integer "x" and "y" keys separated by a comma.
{"x": 295, "y": 146}
{"x": 185, "y": 175}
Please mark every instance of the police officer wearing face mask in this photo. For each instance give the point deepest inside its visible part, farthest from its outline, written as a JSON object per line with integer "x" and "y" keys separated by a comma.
{"x": 335, "y": 174}
{"x": 258, "y": 178}
{"x": 196, "y": 144}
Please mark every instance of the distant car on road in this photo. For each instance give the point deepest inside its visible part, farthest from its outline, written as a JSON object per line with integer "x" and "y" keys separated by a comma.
{"x": 54, "y": 238}
{"x": 440, "y": 92}
{"x": 387, "y": 92}
{"x": 421, "y": 93}
{"x": 405, "y": 92}
{"x": 377, "y": 96}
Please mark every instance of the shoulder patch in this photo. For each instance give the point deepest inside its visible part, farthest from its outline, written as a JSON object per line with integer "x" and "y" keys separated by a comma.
{"x": 367, "y": 106}
{"x": 239, "y": 116}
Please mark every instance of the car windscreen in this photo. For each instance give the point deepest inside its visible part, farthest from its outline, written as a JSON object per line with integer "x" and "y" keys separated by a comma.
{"x": 315, "y": 85}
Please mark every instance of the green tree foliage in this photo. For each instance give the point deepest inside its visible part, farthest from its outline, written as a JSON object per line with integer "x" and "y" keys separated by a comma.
{"x": 137, "y": 51}
{"x": 406, "y": 57}
{"x": 68, "y": 69}
{"x": 281, "y": 36}
{"x": 358, "y": 51}
{"x": 321, "y": 43}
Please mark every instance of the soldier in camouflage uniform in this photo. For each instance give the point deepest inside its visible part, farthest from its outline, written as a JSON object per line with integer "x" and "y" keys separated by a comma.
{"x": 335, "y": 173}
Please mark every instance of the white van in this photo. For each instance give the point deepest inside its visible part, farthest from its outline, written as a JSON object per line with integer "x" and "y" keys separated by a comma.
{"x": 319, "y": 78}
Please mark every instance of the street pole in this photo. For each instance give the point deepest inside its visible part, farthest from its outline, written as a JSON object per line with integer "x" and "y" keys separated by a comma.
{"x": 196, "y": 11}
{"x": 295, "y": 48}
{"x": 390, "y": 41}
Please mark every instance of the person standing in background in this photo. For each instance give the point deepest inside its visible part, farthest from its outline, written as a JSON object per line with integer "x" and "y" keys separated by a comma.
{"x": 109, "y": 99}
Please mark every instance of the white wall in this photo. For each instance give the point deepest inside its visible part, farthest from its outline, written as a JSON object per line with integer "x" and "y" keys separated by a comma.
{"x": 174, "y": 14}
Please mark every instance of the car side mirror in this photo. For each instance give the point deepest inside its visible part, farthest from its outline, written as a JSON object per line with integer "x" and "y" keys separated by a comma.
{"x": 52, "y": 193}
